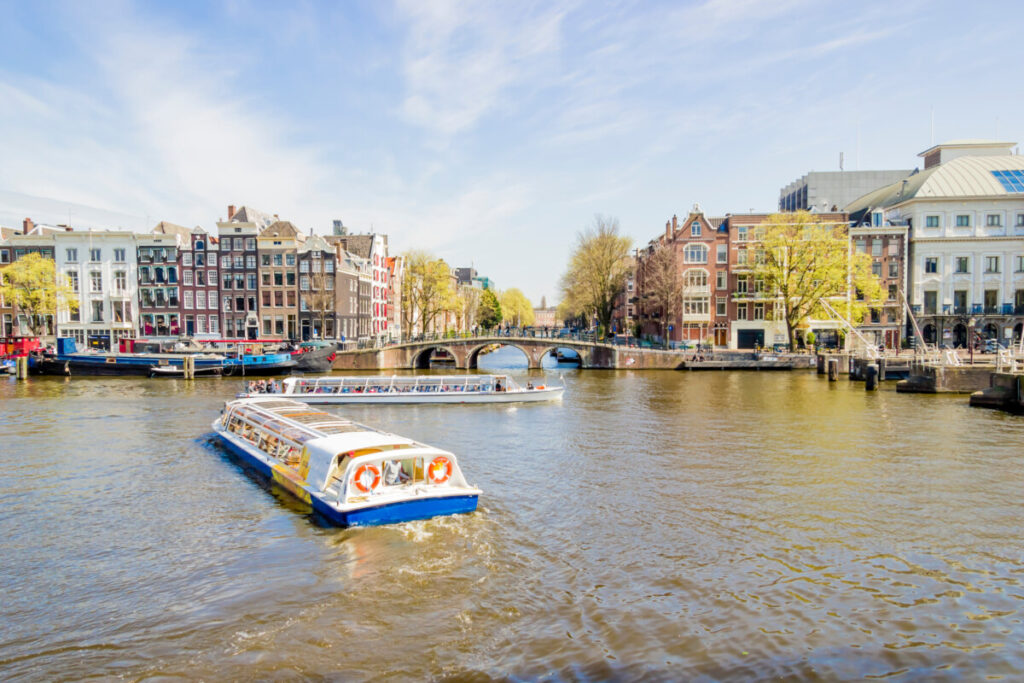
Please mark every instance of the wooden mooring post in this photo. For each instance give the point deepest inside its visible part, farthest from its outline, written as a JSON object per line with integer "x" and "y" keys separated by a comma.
{"x": 188, "y": 364}
{"x": 21, "y": 367}
{"x": 871, "y": 377}
{"x": 833, "y": 369}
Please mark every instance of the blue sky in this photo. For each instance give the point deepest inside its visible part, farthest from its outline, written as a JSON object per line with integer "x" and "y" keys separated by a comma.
{"x": 487, "y": 132}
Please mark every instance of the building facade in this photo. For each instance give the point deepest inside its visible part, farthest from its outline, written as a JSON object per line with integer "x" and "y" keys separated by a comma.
{"x": 277, "y": 247}
{"x": 964, "y": 213}
{"x": 102, "y": 269}
{"x": 830, "y": 191}
{"x": 318, "y": 313}
{"x": 239, "y": 274}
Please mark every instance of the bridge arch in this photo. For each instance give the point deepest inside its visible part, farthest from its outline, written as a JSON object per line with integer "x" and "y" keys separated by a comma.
{"x": 421, "y": 357}
{"x": 473, "y": 354}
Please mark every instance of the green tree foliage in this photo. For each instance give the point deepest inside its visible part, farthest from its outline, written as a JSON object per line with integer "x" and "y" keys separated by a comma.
{"x": 516, "y": 308}
{"x": 427, "y": 290}
{"x": 30, "y": 284}
{"x": 489, "y": 313}
{"x": 598, "y": 267}
{"x": 804, "y": 262}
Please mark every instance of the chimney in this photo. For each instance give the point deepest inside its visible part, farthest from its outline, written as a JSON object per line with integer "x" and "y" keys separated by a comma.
{"x": 231, "y": 211}
{"x": 27, "y": 225}
{"x": 668, "y": 230}
{"x": 675, "y": 223}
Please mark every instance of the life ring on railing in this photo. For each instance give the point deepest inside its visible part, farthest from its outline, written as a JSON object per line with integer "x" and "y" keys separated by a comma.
{"x": 540, "y": 387}
{"x": 440, "y": 470}
{"x": 359, "y": 478}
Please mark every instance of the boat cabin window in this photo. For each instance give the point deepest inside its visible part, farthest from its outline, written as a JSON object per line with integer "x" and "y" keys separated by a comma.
{"x": 398, "y": 472}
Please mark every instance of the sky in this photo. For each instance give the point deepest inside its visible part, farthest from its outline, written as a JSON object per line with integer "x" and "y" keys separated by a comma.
{"x": 489, "y": 133}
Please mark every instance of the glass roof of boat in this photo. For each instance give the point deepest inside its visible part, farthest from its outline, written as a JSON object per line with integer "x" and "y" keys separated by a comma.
{"x": 291, "y": 419}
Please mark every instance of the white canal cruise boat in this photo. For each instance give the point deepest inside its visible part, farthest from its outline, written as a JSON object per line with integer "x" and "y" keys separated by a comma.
{"x": 352, "y": 475}
{"x": 413, "y": 389}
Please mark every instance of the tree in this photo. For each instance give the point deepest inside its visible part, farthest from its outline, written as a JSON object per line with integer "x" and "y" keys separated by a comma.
{"x": 804, "y": 262}
{"x": 663, "y": 284}
{"x": 490, "y": 310}
{"x": 426, "y": 290}
{"x": 321, "y": 299}
{"x": 468, "y": 307}
{"x": 516, "y": 308}
{"x": 597, "y": 271}
{"x": 31, "y": 286}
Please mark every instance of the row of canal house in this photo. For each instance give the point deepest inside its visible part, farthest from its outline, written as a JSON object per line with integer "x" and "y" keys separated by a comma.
{"x": 724, "y": 303}
{"x": 947, "y": 240}
{"x": 257, "y": 277}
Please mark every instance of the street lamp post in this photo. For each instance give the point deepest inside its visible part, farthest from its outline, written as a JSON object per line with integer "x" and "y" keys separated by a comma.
{"x": 970, "y": 336}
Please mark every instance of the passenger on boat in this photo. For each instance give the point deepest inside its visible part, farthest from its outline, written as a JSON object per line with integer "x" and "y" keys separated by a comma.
{"x": 393, "y": 473}
{"x": 529, "y": 385}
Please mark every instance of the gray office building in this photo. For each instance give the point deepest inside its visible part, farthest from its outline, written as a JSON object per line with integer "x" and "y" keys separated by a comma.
{"x": 825, "y": 191}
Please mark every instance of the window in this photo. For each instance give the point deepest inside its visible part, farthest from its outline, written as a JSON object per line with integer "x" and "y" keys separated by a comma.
{"x": 962, "y": 264}
{"x": 892, "y": 292}
{"x": 250, "y": 245}
{"x": 741, "y": 233}
{"x": 119, "y": 255}
{"x": 741, "y": 312}
{"x": 201, "y": 260}
{"x": 200, "y": 245}
{"x": 303, "y": 266}
{"x": 226, "y": 303}
{"x": 329, "y": 283}
{"x": 741, "y": 284}
{"x": 214, "y": 324}
{"x": 278, "y": 279}
{"x": 200, "y": 278}
{"x": 759, "y": 284}
{"x": 758, "y": 311}
{"x": 5, "y": 256}
{"x": 279, "y": 298}
{"x": 963, "y": 220}
{"x": 695, "y": 253}
{"x": 200, "y": 324}
{"x": 225, "y": 261}
{"x": 894, "y": 268}
{"x": 991, "y": 264}
{"x": 186, "y": 259}
{"x": 741, "y": 257}
{"x": 238, "y": 262}
{"x": 120, "y": 281}
{"x": 1020, "y": 264}
{"x": 304, "y": 283}
{"x": 876, "y": 218}
{"x": 720, "y": 304}
{"x": 695, "y": 229}
{"x": 73, "y": 280}
{"x": 97, "y": 311}
{"x": 931, "y": 265}
{"x": 239, "y": 244}
{"x": 239, "y": 281}
{"x": 95, "y": 255}
{"x": 931, "y": 221}
{"x": 959, "y": 302}
{"x": 211, "y": 298}
{"x": 95, "y": 281}
{"x": 211, "y": 277}
{"x": 250, "y": 262}
{"x": 930, "y": 302}
{"x": 329, "y": 265}
{"x": 187, "y": 277}
{"x": 1020, "y": 220}
{"x": 993, "y": 220}
{"x": 291, "y": 297}
{"x": 876, "y": 269}
{"x": 265, "y": 296}
{"x": 188, "y": 300}
{"x": 265, "y": 278}
{"x": 862, "y": 246}
{"x": 72, "y": 255}
{"x": 289, "y": 259}
{"x": 991, "y": 300}
{"x": 289, "y": 278}
{"x": 876, "y": 247}
{"x": 240, "y": 303}
{"x": 721, "y": 279}
{"x": 278, "y": 260}
{"x": 265, "y": 260}
{"x": 251, "y": 281}
{"x": 1012, "y": 181}
{"x": 696, "y": 279}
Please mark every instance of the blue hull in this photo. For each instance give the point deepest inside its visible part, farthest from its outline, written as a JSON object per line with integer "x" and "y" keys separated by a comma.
{"x": 389, "y": 513}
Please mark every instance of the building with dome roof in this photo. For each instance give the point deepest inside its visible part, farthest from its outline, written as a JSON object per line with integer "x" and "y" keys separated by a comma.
{"x": 964, "y": 213}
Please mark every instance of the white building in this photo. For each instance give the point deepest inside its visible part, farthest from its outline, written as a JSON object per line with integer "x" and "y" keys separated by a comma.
{"x": 101, "y": 266}
{"x": 965, "y": 213}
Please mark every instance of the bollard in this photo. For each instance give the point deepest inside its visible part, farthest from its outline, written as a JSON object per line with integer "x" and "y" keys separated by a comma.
{"x": 21, "y": 367}
{"x": 871, "y": 377}
{"x": 881, "y": 369}
{"x": 833, "y": 370}
{"x": 821, "y": 364}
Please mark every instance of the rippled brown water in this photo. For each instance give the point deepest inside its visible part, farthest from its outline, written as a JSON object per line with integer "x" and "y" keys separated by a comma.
{"x": 653, "y": 525}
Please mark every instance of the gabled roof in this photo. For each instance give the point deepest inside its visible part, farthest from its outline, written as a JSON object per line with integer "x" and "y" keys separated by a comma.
{"x": 283, "y": 229}
{"x": 5, "y": 233}
{"x": 165, "y": 228}
{"x": 316, "y": 243}
{"x": 360, "y": 245}
{"x": 247, "y": 214}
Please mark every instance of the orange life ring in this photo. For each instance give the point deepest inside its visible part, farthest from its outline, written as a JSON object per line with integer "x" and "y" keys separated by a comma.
{"x": 439, "y": 470}
{"x": 357, "y": 478}
{"x": 540, "y": 387}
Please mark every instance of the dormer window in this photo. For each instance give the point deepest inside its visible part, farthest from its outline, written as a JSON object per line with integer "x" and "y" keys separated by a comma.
{"x": 695, "y": 229}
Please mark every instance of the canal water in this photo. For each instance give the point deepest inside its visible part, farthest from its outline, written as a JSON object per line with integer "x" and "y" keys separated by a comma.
{"x": 658, "y": 525}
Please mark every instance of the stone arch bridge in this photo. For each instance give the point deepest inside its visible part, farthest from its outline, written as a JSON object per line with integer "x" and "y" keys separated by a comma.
{"x": 466, "y": 352}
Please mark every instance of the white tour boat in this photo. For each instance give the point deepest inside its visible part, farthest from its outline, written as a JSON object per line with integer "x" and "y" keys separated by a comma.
{"x": 415, "y": 389}
{"x": 352, "y": 475}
